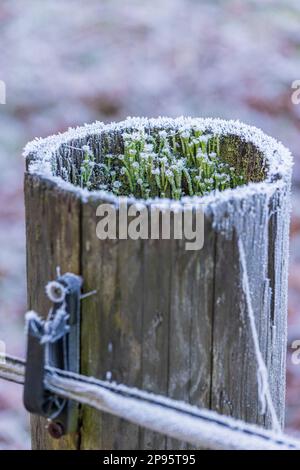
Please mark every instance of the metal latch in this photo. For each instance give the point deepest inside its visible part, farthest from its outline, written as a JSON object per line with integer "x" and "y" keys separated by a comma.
{"x": 54, "y": 342}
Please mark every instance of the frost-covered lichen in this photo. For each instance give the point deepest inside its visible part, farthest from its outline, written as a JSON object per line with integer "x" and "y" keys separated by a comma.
{"x": 87, "y": 167}
{"x": 168, "y": 164}
{"x": 266, "y": 163}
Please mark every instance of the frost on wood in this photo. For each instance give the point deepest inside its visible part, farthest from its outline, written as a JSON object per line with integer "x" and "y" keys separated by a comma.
{"x": 203, "y": 350}
{"x": 57, "y": 155}
{"x": 262, "y": 372}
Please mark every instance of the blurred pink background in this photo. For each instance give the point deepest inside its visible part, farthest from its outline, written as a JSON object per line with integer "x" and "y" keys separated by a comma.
{"x": 66, "y": 62}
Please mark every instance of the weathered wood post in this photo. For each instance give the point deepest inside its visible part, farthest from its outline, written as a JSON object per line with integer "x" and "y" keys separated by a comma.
{"x": 165, "y": 319}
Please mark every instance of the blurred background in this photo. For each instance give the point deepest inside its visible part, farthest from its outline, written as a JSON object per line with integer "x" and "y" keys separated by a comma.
{"x": 66, "y": 62}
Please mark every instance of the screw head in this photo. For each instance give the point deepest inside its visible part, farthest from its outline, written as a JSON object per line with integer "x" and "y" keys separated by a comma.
{"x": 55, "y": 430}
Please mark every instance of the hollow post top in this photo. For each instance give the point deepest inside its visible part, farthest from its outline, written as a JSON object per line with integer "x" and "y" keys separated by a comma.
{"x": 43, "y": 156}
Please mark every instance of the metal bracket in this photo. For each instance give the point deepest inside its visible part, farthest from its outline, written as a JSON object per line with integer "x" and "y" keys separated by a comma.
{"x": 54, "y": 342}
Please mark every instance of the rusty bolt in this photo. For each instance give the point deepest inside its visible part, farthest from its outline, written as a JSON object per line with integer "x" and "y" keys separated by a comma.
{"x": 55, "y": 430}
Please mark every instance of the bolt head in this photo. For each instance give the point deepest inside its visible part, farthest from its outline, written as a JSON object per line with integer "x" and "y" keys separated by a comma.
{"x": 55, "y": 430}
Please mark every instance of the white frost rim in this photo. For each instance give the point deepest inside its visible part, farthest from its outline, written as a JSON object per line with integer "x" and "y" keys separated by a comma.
{"x": 39, "y": 154}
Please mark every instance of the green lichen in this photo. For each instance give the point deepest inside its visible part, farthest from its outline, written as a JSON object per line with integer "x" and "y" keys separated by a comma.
{"x": 166, "y": 164}
{"x": 87, "y": 168}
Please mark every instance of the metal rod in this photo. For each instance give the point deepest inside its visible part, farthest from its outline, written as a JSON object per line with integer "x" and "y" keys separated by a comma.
{"x": 202, "y": 428}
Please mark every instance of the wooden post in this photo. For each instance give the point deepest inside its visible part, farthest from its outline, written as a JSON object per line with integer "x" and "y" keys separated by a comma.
{"x": 165, "y": 319}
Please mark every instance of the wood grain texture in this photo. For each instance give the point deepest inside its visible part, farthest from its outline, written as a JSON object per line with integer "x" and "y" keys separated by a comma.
{"x": 156, "y": 318}
{"x": 111, "y": 327}
{"x": 278, "y": 256}
{"x": 234, "y": 371}
{"x": 149, "y": 325}
{"x": 165, "y": 319}
{"x": 53, "y": 239}
{"x": 190, "y": 324}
